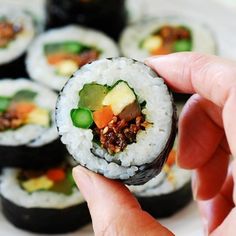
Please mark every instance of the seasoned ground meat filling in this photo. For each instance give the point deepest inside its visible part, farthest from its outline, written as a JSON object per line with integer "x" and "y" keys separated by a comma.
{"x": 119, "y": 133}
{"x": 8, "y": 32}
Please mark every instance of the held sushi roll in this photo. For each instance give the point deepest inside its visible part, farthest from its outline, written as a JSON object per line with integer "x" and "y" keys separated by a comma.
{"x": 167, "y": 193}
{"x": 58, "y": 53}
{"x": 16, "y": 33}
{"x": 165, "y": 35}
{"x": 28, "y": 135}
{"x": 43, "y": 201}
{"x": 117, "y": 118}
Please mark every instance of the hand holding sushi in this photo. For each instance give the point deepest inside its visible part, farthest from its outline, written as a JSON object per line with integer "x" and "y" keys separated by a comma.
{"x": 207, "y": 131}
{"x": 207, "y": 137}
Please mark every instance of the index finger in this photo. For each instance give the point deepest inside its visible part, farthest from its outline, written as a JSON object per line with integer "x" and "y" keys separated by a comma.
{"x": 209, "y": 76}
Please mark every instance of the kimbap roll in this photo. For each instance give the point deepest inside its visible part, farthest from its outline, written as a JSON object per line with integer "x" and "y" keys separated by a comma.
{"x": 43, "y": 201}
{"x": 117, "y": 118}
{"x": 57, "y": 54}
{"x": 107, "y": 16}
{"x": 28, "y": 135}
{"x": 16, "y": 33}
{"x": 167, "y": 193}
{"x": 36, "y": 9}
{"x": 165, "y": 35}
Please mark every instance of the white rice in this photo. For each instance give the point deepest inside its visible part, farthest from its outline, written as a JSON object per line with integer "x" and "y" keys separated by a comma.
{"x": 36, "y": 62}
{"x": 19, "y": 45}
{"x": 150, "y": 142}
{"x": 30, "y": 133}
{"x": 160, "y": 184}
{"x": 11, "y": 190}
{"x": 133, "y": 35}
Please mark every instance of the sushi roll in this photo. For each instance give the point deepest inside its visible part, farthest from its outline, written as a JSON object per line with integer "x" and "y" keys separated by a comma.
{"x": 36, "y": 9}
{"x": 167, "y": 193}
{"x": 16, "y": 33}
{"x": 117, "y": 118}
{"x": 165, "y": 35}
{"x": 107, "y": 16}
{"x": 28, "y": 135}
{"x": 57, "y": 54}
{"x": 43, "y": 201}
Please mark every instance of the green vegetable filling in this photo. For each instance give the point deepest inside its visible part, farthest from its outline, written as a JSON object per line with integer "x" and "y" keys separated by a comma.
{"x": 71, "y": 47}
{"x": 4, "y": 103}
{"x": 92, "y": 95}
{"x": 113, "y": 113}
{"x": 82, "y": 118}
{"x": 59, "y": 180}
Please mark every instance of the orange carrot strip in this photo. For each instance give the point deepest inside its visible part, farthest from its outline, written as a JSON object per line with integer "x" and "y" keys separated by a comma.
{"x": 103, "y": 116}
{"x": 171, "y": 158}
{"x": 22, "y": 109}
{"x": 56, "y": 58}
{"x": 56, "y": 174}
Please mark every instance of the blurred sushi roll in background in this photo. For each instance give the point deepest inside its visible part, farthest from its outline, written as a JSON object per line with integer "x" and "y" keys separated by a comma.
{"x": 44, "y": 200}
{"x": 36, "y": 9}
{"x": 28, "y": 135}
{"x": 167, "y": 193}
{"x": 160, "y": 36}
{"x": 165, "y": 35}
{"x": 107, "y": 16}
{"x": 56, "y": 54}
{"x": 117, "y": 118}
{"x": 16, "y": 33}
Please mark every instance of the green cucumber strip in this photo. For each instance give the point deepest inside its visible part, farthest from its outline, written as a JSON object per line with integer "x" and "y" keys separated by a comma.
{"x": 4, "y": 103}
{"x": 24, "y": 95}
{"x": 92, "y": 95}
{"x": 72, "y": 47}
{"x": 81, "y": 118}
{"x": 182, "y": 45}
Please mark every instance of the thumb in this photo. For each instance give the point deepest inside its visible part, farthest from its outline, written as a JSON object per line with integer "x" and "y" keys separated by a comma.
{"x": 114, "y": 210}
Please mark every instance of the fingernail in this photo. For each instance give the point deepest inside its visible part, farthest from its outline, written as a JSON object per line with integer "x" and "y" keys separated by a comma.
{"x": 194, "y": 187}
{"x": 83, "y": 180}
{"x": 150, "y": 60}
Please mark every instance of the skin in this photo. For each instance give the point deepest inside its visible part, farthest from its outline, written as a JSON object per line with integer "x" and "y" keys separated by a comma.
{"x": 207, "y": 137}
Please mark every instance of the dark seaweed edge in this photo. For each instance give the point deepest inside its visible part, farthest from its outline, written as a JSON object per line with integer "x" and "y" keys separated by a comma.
{"x": 165, "y": 205}
{"x": 46, "y": 220}
{"x": 32, "y": 157}
{"x": 147, "y": 171}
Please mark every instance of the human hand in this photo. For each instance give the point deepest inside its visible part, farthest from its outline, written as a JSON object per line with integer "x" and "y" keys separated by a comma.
{"x": 205, "y": 123}
{"x": 207, "y": 131}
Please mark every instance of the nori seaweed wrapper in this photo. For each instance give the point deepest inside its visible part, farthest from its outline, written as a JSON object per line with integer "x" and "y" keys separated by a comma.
{"x": 14, "y": 69}
{"x": 150, "y": 170}
{"x": 166, "y": 205}
{"x": 108, "y": 16}
{"x": 32, "y": 157}
{"x": 181, "y": 97}
{"x": 46, "y": 220}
